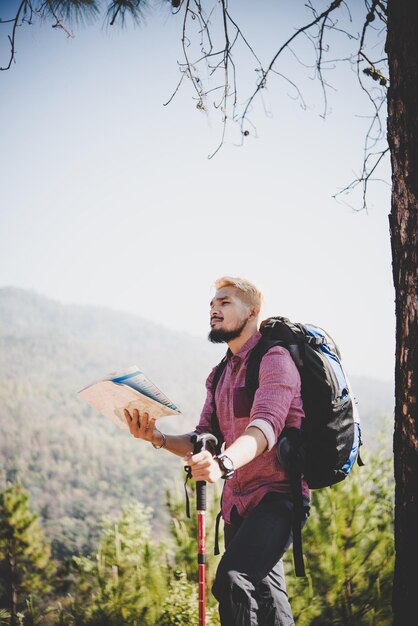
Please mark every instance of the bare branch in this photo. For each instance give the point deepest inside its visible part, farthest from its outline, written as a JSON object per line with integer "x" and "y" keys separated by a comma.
{"x": 22, "y": 8}
{"x": 59, "y": 22}
{"x": 365, "y": 177}
{"x": 319, "y": 19}
{"x": 210, "y": 37}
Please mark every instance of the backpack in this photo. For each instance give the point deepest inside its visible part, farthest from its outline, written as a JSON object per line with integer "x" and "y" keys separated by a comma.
{"x": 326, "y": 447}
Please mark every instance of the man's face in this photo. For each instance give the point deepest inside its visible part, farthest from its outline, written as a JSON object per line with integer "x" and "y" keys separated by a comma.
{"x": 228, "y": 315}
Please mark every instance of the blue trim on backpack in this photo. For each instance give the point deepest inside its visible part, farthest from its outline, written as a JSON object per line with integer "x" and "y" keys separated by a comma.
{"x": 332, "y": 358}
{"x": 354, "y": 450}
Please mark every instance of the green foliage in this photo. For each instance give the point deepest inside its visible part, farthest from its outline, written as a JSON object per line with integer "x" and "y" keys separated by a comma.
{"x": 180, "y": 607}
{"x": 25, "y": 565}
{"x": 50, "y": 437}
{"x": 184, "y": 530}
{"x": 75, "y": 11}
{"x": 125, "y": 583}
{"x": 4, "y": 616}
{"x": 77, "y": 468}
{"x": 86, "y": 475}
{"x": 349, "y": 550}
{"x": 135, "y": 580}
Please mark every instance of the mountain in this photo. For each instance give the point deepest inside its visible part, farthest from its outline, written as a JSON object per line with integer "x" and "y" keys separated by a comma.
{"x": 76, "y": 465}
{"x": 73, "y": 345}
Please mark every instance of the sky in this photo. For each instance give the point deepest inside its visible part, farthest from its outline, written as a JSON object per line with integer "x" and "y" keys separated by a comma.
{"x": 108, "y": 197}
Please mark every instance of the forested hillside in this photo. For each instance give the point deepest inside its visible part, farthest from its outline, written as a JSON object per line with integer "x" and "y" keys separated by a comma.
{"x": 77, "y": 466}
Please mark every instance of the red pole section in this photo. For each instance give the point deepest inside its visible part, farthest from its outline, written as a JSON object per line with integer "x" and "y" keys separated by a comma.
{"x": 201, "y": 443}
{"x": 201, "y": 560}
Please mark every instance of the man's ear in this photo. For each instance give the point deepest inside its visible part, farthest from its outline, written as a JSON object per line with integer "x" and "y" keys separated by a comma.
{"x": 254, "y": 311}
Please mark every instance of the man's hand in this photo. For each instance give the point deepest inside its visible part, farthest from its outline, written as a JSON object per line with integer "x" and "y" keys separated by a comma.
{"x": 203, "y": 466}
{"x": 142, "y": 427}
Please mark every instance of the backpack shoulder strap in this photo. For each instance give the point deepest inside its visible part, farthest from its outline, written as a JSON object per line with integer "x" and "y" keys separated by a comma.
{"x": 214, "y": 418}
{"x": 253, "y": 368}
{"x": 218, "y": 373}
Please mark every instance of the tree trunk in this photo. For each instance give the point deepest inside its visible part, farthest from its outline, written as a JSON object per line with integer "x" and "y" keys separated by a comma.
{"x": 11, "y": 562}
{"x": 402, "y": 49}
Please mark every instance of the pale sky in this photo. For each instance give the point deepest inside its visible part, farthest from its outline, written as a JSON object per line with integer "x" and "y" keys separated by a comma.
{"x": 108, "y": 197}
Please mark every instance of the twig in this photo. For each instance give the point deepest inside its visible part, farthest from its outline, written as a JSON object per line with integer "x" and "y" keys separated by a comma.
{"x": 12, "y": 37}
{"x": 262, "y": 81}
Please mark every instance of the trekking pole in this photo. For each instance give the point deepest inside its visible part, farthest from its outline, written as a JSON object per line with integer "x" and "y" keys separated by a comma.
{"x": 206, "y": 441}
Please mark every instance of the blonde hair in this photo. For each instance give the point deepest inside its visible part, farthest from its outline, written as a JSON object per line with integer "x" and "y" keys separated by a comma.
{"x": 247, "y": 291}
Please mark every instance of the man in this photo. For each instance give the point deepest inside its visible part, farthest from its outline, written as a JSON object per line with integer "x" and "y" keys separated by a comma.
{"x": 256, "y": 502}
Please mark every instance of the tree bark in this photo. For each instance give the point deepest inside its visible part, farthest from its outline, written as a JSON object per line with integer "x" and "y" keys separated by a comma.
{"x": 11, "y": 562}
{"x": 402, "y": 49}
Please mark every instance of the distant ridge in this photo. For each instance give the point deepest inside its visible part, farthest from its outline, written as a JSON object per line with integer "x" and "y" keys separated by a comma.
{"x": 47, "y": 339}
{"x": 84, "y": 342}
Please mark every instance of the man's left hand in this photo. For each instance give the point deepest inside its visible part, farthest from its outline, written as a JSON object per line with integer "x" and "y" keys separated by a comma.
{"x": 203, "y": 466}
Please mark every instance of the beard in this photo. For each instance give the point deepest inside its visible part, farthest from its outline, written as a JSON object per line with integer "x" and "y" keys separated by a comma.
{"x": 223, "y": 336}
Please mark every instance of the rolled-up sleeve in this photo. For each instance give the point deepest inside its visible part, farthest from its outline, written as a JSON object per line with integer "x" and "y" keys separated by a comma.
{"x": 279, "y": 386}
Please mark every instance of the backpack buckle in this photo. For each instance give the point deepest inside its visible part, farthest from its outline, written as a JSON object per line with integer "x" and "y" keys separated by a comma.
{"x": 316, "y": 341}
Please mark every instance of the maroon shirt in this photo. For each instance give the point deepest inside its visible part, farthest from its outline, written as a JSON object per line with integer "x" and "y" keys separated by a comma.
{"x": 277, "y": 403}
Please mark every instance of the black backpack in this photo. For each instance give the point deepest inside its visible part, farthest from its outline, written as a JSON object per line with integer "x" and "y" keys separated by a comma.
{"x": 325, "y": 449}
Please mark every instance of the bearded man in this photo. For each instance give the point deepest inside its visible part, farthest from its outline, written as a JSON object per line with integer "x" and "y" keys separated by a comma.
{"x": 257, "y": 505}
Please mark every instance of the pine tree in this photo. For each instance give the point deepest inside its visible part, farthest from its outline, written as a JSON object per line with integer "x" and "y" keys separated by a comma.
{"x": 126, "y": 582}
{"x": 349, "y": 550}
{"x": 25, "y": 565}
{"x": 180, "y": 607}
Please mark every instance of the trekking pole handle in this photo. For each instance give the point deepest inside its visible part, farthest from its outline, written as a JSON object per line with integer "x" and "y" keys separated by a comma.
{"x": 205, "y": 441}
{"x": 201, "y": 495}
